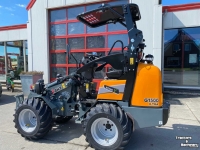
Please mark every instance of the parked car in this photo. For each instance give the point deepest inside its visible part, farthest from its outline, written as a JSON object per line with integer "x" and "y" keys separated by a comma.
{"x": 0, "y": 89}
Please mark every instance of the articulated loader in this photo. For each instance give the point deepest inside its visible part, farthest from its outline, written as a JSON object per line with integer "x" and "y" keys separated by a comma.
{"x": 130, "y": 96}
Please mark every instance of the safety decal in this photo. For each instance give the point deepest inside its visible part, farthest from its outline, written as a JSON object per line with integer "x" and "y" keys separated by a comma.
{"x": 62, "y": 109}
{"x": 58, "y": 89}
{"x": 63, "y": 85}
{"x": 112, "y": 89}
{"x": 131, "y": 61}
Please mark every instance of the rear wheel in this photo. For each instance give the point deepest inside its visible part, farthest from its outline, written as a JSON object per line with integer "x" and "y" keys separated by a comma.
{"x": 33, "y": 119}
{"x": 107, "y": 127}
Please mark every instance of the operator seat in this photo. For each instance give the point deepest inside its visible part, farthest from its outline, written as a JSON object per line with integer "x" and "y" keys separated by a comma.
{"x": 114, "y": 74}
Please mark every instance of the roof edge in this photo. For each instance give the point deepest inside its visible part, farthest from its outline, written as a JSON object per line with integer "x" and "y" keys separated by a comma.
{"x": 30, "y": 5}
{"x": 181, "y": 7}
{"x": 13, "y": 27}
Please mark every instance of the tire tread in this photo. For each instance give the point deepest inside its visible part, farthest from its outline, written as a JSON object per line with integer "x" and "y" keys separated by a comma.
{"x": 44, "y": 115}
{"x": 116, "y": 112}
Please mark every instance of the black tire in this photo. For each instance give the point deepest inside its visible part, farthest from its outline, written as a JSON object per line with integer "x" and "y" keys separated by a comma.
{"x": 121, "y": 121}
{"x": 61, "y": 120}
{"x": 12, "y": 90}
{"x": 43, "y": 115}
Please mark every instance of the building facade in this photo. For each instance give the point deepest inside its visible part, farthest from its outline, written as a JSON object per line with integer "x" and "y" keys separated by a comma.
{"x": 171, "y": 33}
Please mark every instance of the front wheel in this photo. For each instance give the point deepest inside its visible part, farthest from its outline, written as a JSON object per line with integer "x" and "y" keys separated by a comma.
{"x": 107, "y": 127}
{"x": 33, "y": 119}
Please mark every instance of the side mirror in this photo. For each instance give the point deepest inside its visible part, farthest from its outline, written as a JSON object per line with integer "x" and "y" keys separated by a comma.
{"x": 68, "y": 51}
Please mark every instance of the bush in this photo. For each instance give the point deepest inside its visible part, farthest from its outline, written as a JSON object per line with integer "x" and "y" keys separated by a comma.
{"x": 32, "y": 73}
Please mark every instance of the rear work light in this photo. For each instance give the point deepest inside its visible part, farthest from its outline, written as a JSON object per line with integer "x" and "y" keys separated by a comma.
{"x": 31, "y": 87}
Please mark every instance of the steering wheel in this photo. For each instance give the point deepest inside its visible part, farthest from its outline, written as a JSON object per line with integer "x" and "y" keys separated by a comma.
{"x": 92, "y": 57}
{"x": 103, "y": 65}
{"x": 114, "y": 45}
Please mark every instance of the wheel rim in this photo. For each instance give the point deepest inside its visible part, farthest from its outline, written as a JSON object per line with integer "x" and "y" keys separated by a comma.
{"x": 104, "y": 131}
{"x": 27, "y": 120}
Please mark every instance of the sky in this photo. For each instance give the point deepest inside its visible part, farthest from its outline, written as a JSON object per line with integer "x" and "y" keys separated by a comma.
{"x": 174, "y": 2}
{"x": 14, "y": 12}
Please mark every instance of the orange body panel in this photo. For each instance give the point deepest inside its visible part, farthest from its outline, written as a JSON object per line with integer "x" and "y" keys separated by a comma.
{"x": 148, "y": 87}
{"x": 110, "y": 96}
{"x": 103, "y": 93}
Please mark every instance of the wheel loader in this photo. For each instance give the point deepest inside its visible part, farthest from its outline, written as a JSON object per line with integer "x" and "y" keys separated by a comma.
{"x": 128, "y": 98}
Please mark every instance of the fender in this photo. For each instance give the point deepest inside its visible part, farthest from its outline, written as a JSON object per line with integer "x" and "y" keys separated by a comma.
{"x": 51, "y": 105}
{"x": 20, "y": 98}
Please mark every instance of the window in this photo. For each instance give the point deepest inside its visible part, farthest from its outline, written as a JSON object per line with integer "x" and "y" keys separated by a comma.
{"x": 77, "y": 56}
{"x": 76, "y": 43}
{"x": 115, "y": 37}
{"x": 72, "y": 12}
{"x": 71, "y": 70}
{"x": 59, "y": 58}
{"x": 65, "y": 29}
{"x": 95, "y": 42}
{"x": 75, "y": 28}
{"x": 182, "y": 57}
{"x": 98, "y": 29}
{"x": 176, "y": 47}
{"x": 115, "y": 27}
{"x": 58, "y": 29}
{"x": 55, "y": 71}
{"x": 58, "y": 15}
{"x": 58, "y": 44}
{"x": 187, "y": 47}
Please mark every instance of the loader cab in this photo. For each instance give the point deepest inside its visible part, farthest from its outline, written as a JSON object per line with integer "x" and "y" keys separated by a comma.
{"x": 126, "y": 15}
{"x": 130, "y": 69}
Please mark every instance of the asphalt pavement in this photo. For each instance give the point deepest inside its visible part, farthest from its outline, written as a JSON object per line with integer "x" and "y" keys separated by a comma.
{"x": 184, "y": 121}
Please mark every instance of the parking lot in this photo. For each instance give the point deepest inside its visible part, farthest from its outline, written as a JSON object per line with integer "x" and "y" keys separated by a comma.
{"x": 184, "y": 121}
